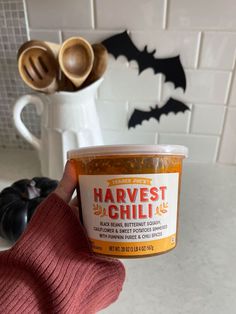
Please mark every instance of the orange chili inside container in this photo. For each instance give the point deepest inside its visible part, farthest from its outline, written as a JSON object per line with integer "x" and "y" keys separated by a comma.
{"x": 129, "y": 197}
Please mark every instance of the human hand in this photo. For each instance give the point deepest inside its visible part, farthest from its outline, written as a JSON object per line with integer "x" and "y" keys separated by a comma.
{"x": 67, "y": 185}
{"x": 54, "y": 269}
{"x": 113, "y": 273}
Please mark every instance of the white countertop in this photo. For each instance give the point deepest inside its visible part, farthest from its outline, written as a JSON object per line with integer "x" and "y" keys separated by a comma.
{"x": 199, "y": 276}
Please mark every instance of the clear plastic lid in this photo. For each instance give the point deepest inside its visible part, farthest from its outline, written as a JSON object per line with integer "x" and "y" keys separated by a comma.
{"x": 104, "y": 150}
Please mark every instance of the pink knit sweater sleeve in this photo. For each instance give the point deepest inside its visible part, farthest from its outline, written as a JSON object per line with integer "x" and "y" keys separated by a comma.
{"x": 51, "y": 269}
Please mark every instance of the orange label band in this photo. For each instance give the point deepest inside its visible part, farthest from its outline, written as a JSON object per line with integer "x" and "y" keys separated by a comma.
{"x": 135, "y": 248}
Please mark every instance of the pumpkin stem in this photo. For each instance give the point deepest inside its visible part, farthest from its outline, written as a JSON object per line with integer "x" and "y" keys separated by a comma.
{"x": 32, "y": 190}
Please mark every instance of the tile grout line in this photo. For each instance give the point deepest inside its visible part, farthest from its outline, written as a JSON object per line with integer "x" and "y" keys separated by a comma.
{"x": 234, "y": 61}
{"x": 229, "y": 88}
{"x": 232, "y": 76}
{"x": 156, "y": 138}
{"x": 26, "y": 19}
{"x": 182, "y": 133}
{"x": 60, "y": 36}
{"x": 189, "y": 125}
{"x": 93, "y": 9}
{"x": 165, "y": 14}
{"x": 215, "y": 159}
{"x": 199, "y": 29}
{"x": 198, "y": 50}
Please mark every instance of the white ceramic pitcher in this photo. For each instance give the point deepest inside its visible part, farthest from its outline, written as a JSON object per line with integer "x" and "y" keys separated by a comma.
{"x": 68, "y": 120}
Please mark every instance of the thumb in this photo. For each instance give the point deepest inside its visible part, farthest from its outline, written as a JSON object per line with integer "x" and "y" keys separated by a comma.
{"x": 68, "y": 182}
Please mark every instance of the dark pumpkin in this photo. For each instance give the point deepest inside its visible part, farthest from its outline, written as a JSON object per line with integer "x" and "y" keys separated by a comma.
{"x": 18, "y": 203}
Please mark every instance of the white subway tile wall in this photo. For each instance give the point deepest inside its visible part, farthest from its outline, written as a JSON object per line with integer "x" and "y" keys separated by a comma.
{"x": 202, "y": 33}
{"x": 116, "y": 114}
{"x": 124, "y": 83}
{"x": 228, "y": 141}
{"x": 131, "y": 15}
{"x": 202, "y": 15}
{"x": 200, "y": 119}
{"x": 218, "y": 50}
{"x": 202, "y": 148}
{"x": 232, "y": 97}
{"x": 203, "y": 86}
{"x": 92, "y": 36}
{"x": 54, "y": 14}
{"x": 48, "y": 35}
{"x": 134, "y": 136}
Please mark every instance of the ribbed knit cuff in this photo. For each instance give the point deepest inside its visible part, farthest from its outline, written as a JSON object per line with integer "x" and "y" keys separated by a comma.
{"x": 53, "y": 224}
{"x": 52, "y": 264}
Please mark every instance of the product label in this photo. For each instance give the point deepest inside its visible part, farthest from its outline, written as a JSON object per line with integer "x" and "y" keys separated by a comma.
{"x": 130, "y": 215}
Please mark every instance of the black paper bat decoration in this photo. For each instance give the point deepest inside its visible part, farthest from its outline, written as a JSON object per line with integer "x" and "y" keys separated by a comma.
{"x": 121, "y": 44}
{"x": 172, "y": 105}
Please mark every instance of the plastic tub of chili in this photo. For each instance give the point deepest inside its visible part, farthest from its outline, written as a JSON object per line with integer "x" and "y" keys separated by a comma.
{"x": 129, "y": 197}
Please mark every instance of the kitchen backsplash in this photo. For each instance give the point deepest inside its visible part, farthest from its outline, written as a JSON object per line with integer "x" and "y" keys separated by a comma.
{"x": 13, "y": 33}
{"x": 203, "y": 33}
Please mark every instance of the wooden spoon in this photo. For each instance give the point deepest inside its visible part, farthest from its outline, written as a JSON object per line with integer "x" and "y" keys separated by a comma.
{"x": 76, "y": 59}
{"x": 33, "y": 42}
{"x": 99, "y": 65}
{"x": 38, "y": 66}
